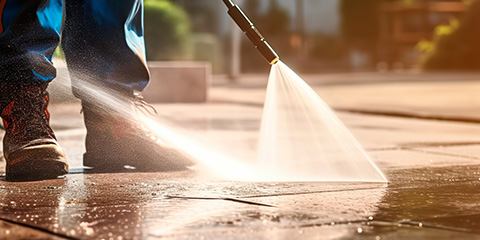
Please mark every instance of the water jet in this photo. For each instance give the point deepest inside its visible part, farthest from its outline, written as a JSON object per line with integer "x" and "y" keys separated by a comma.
{"x": 301, "y": 138}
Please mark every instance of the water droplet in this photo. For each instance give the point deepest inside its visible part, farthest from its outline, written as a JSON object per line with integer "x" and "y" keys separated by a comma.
{"x": 420, "y": 224}
{"x": 129, "y": 167}
{"x": 359, "y": 230}
{"x": 370, "y": 218}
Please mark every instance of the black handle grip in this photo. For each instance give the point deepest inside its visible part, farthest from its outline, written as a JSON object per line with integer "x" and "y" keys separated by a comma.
{"x": 251, "y": 31}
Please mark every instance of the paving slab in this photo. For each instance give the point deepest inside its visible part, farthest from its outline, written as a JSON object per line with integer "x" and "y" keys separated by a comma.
{"x": 432, "y": 166}
{"x": 180, "y": 206}
{"x": 442, "y": 99}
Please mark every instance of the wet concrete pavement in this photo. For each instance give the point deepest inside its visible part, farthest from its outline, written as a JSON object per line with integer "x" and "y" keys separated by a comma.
{"x": 432, "y": 163}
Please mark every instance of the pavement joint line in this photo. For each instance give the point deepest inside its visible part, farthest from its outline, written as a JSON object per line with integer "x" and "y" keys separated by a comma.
{"x": 371, "y": 112}
{"x": 421, "y": 224}
{"x": 445, "y": 217}
{"x": 315, "y": 192}
{"x": 237, "y": 103}
{"x": 439, "y": 144}
{"x": 44, "y": 230}
{"x": 440, "y": 153}
{"x": 455, "y": 216}
{"x": 419, "y": 149}
{"x": 333, "y": 223}
{"x": 376, "y": 222}
{"x": 383, "y": 149}
{"x": 424, "y": 145}
{"x": 223, "y": 199}
{"x": 409, "y": 115}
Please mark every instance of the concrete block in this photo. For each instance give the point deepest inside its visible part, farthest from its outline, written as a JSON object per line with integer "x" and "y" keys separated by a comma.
{"x": 178, "y": 82}
{"x": 171, "y": 82}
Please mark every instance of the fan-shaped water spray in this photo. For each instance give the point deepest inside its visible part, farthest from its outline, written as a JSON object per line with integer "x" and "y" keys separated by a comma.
{"x": 302, "y": 139}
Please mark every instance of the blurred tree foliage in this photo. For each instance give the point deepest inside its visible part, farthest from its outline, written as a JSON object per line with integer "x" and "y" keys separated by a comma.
{"x": 205, "y": 38}
{"x": 167, "y": 31}
{"x": 59, "y": 53}
{"x": 202, "y": 16}
{"x": 455, "y": 46}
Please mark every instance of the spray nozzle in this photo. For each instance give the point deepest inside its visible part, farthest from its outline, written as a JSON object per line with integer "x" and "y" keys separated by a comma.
{"x": 251, "y": 31}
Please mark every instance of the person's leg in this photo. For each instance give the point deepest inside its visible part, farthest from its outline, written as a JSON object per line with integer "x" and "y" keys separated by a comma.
{"x": 105, "y": 53}
{"x": 103, "y": 44}
{"x": 29, "y": 34}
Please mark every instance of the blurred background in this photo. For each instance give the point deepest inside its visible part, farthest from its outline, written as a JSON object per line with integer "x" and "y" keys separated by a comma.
{"x": 314, "y": 36}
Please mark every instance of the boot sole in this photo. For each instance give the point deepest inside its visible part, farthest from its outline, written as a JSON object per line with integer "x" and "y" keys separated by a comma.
{"x": 36, "y": 163}
{"x": 105, "y": 163}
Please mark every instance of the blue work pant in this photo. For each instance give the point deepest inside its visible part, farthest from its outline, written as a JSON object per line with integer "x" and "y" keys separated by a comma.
{"x": 102, "y": 40}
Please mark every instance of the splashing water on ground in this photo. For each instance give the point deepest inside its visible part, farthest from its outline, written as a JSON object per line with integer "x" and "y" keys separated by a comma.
{"x": 211, "y": 161}
{"x": 301, "y": 138}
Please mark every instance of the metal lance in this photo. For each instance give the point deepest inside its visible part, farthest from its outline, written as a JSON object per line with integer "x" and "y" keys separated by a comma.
{"x": 252, "y": 32}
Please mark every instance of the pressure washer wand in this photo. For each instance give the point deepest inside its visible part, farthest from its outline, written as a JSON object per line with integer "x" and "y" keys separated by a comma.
{"x": 252, "y": 32}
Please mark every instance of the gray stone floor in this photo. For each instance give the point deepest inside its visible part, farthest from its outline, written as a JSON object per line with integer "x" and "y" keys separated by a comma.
{"x": 424, "y": 134}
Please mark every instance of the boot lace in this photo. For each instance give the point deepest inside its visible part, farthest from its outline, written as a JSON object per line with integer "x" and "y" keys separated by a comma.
{"x": 142, "y": 105}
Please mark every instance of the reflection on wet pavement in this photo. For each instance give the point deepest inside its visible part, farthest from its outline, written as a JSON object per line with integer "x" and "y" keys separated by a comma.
{"x": 427, "y": 197}
{"x": 423, "y": 202}
{"x": 439, "y": 197}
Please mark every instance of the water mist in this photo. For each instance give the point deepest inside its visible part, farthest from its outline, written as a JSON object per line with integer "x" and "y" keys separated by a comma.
{"x": 211, "y": 161}
{"x": 301, "y": 138}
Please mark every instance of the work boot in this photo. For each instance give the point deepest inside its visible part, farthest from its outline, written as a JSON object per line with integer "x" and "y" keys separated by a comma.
{"x": 30, "y": 148}
{"x": 117, "y": 142}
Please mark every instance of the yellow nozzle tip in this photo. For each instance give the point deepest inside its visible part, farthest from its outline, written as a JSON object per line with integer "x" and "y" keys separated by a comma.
{"x": 274, "y": 61}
